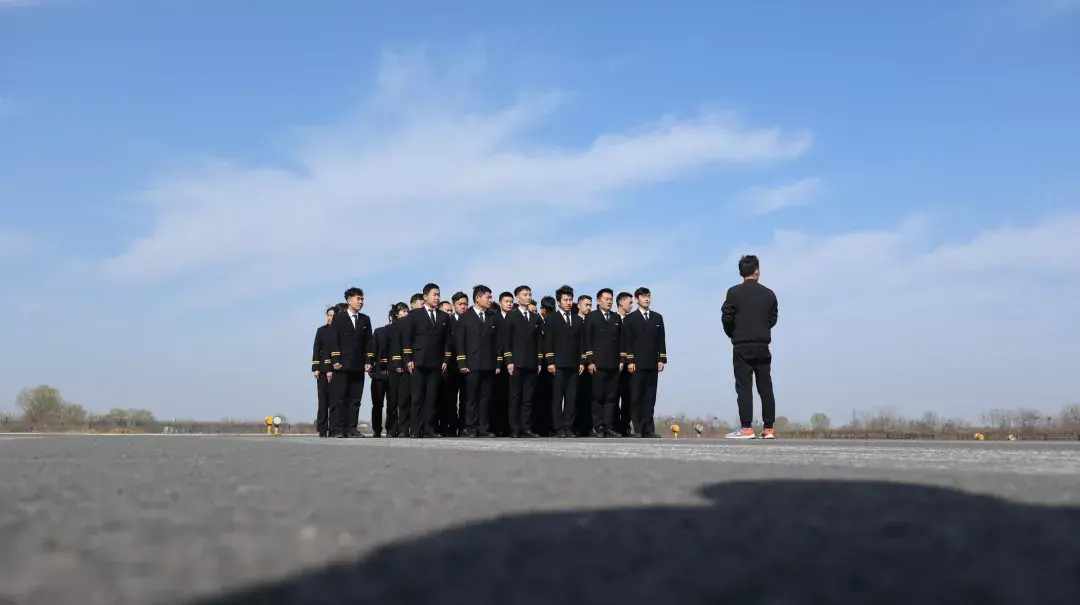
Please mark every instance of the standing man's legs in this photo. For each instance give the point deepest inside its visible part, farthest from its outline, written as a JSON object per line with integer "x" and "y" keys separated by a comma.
{"x": 356, "y": 396}
{"x": 431, "y": 399}
{"x": 404, "y": 403}
{"x": 335, "y": 412}
{"x": 763, "y": 378}
{"x": 322, "y": 422}
{"x": 637, "y": 395}
{"x": 605, "y": 388}
{"x": 626, "y": 413}
{"x": 647, "y": 403}
{"x": 743, "y": 360}
{"x": 418, "y": 380}
{"x": 378, "y": 398}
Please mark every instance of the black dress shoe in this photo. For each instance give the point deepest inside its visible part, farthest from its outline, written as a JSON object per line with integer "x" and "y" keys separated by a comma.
{"x": 594, "y": 434}
{"x": 529, "y": 434}
{"x": 322, "y": 434}
{"x": 487, "y": 435}
{"x": 608, "y": 433}
{"x": 650, "y": 436}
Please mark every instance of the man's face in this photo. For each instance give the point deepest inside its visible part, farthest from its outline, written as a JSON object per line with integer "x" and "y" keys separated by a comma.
{"x": 605, "y": 301}
{"x": 584, "y": 306}
{"x": 532, "y": 308}
{"x": 566, "y": 302}
{"x": 461, "y": 305}
{"x": 329, "y": 316}
{"x": 418, "y": 303}
{"x": 432, "y": 298}
{"x": 524, "y": 298}
{"x": 506, "y": 303}
{"x": 445, "y": 306}
{"x": 356, "y": 302}
{"x": 625, "y": 304}
{"x": 484, "y": 301}
{"x": 644, "y": 300}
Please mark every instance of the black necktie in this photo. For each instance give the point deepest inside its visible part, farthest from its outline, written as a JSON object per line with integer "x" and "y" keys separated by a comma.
{"x": 646, "y": 316}
{"x": 568, "y": 319}
{"x": 432, "y": 313}
{"x": 605, "y": 316}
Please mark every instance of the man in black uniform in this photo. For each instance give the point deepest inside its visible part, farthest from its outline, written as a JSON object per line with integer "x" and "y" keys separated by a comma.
{"x": 417, "y": 301}
{"x": 564, "y": 354}
{"x": 350, "y": 335}
{"x": 500, "y": 398}
{"x": 478, "y": 360}
{"x": 749, "y": 314}
{"x": 451, "y": 410}
{"x": 542, "y": 418}
{"x": 624, "y": 303}
{"x": 380, "y": 380}
{"x": 646, "y": 356}
{"x": 603, "y": 345}
{"x": 523, "y": 359}
{"x": 427, "y": 349}
{"x": 583, "y": 415}
{"x": 320, "y": 368}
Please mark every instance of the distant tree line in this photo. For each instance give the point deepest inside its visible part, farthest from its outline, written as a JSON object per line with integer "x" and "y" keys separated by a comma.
{"x": 42, "y": 408}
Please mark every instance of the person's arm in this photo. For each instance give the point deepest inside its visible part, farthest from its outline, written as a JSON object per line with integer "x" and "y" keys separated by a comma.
{"x": 372, "y": 349}
{"x": 335, "y": 340}
{"x": 588, "y": 344}
{"x": 369, "y": 357}
{"x": 316, "y": 354}
{"x": 774, "y": 312}
{"x": 459, "y": 345}
{"x": 628, "y": 338}
{"x": 661, "y": 344}
{"x": 448, "y": 345}
{"x": 506, "y": 338}
{"x": 547, "y": 345}
{"x": 727, "y": 313}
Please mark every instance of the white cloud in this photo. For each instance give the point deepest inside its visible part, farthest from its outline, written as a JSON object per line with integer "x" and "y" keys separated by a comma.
{"x": 12, "y": 244}
{"x": 423, "y": 157}
{"x": 763, "y": 200}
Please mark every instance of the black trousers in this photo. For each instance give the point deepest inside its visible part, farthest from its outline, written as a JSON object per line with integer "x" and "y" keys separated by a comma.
{"x": 478, "y": 398}
{"x": 605, "y": 393}
{"x": 322, "y": 422}
{"x": 424, "y": 385}
{"x": 400, "y": 386}
{"x": 643, "y": 394}
{"x": 522, "y": 394}
{"x": 624, "y": 412}
{"x": 542, "y": 420}
{"x": 499, "y": 412}
{"x": 451, "y": 413}
{"x": 583, "y": 407}
{"x": 754, "y": 363}
{"x": 564, "y": 386}
{"x": 346, "y": 393}
{"x": 380, "y": 396}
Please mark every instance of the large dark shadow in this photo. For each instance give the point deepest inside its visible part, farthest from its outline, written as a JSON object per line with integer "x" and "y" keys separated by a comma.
{"x": 778, "y": 542}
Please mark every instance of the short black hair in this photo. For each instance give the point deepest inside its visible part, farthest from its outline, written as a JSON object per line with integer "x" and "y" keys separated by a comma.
{"x": 430, "y": 287}
{"x": 548, "y": 302}
{"x": 622, "y": 296}
{"x": 480, "y": 290}
{"x": 338, "y": 308}
{"x": 446, "y": 302}
{"x": 353, "y": 292}
{"x": 748, "y": 265}
{"x": 584, "y": 297}
{"x": 397, "y": 308}
{"x": 505, "y": 295}
{"x": 564, "y": 291}
{"x": 642, "y": 291}
{"x": 416, "y": 297}
{"x": 330, "y": 308}
{"x": 520, "y": 289}
{"x": 458, "y": 296}
{"x": 603, "y": 291}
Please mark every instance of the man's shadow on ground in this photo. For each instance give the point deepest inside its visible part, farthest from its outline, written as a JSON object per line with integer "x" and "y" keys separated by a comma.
{"x": 775, "y": 542}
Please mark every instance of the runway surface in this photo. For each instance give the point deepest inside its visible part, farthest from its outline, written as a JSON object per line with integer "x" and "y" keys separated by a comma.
{"x": 210, "y": 520}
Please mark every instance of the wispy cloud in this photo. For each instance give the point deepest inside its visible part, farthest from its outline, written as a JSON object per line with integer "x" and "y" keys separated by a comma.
{"x": 419, "y": 164}
{"x": 763, "y": 200}
{"x": 13, "y": 244}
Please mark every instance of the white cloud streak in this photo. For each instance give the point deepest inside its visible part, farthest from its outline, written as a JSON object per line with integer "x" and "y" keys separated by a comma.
{"x": 765, "y": 200}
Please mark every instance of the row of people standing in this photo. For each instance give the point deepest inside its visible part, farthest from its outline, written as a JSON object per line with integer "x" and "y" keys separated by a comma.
{"x": 468, "y": 367}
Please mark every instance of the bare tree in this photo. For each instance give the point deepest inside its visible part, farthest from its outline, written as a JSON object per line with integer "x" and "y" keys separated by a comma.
{"x": 820, "y": 421}
{"x": 41, "y": 405}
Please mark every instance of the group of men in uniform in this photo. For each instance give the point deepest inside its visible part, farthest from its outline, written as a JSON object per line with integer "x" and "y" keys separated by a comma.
{"x": 475, "y": 366}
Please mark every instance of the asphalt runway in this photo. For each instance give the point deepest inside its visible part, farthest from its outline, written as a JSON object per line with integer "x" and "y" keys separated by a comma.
{"x": 215, "y": 520}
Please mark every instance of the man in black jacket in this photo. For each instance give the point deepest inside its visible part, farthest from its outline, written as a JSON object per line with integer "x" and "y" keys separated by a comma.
{"x": 523, "y": 358}
{"x": 427, "y": 350}
{"x": 564, "y": 355}
{"x": 749, "y": 315}
{"x": 380, "y": 381}
{"x": 320, "y": 368}
{"x": 646, "y": 357}
{"x": 603, "y": 359}
{"x": 478, "y": 348}
{"x": 352, "y": 360}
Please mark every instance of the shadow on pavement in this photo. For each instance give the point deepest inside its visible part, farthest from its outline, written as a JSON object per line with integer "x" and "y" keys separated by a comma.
{"x": 780, "y": 542}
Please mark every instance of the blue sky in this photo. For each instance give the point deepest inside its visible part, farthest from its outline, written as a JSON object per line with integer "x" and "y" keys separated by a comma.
{"x": 185, "y": 184}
